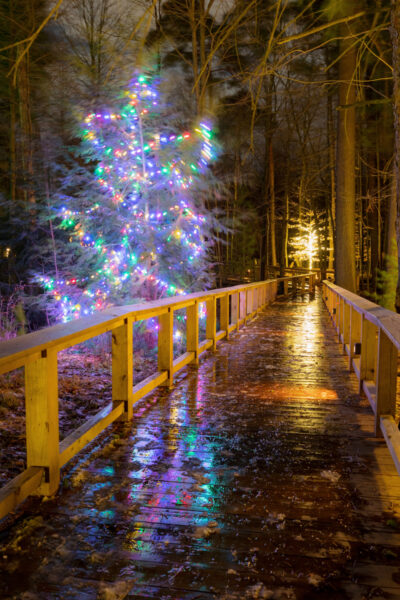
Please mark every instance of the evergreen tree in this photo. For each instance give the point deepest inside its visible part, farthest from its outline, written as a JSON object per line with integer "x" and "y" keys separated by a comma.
{"x": 141, "y": 230}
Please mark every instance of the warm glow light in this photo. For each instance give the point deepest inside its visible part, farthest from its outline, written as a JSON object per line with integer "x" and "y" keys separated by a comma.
{"x": 311, "y": 247}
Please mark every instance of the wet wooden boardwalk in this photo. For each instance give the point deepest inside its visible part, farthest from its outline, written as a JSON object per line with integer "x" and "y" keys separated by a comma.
{"x": 258, "y": 476}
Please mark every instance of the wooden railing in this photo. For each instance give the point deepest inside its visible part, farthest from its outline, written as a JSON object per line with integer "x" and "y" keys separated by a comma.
{"x": 37, "y": 353}
{"x": 370, "y": 335}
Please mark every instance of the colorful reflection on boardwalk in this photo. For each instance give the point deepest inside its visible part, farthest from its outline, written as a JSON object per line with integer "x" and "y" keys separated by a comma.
{"x": 257, "y": 476}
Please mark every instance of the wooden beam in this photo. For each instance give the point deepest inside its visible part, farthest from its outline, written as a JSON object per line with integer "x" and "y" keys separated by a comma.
{"x": 205, "y": 345}
{"x": 211, "y": 320}
{"x": 368, "y": 351}
{"x": 386, "y": 379}
{"x": 42, "y": 431}
{"x": 355, "y": 334}
{"x": 391, "y": 434}
{"x": 182, "y": 361}
{"x": 224, "y": 314}
{"x": 192, "y": 330}
{"x": 148, "y": 385}
{"x": 78, "y": 439}
{"x": 234, "y": 310}
{"x": 122, "y": 367}
{"x": 165, "y": 345}
{"x": 19, "y": 488}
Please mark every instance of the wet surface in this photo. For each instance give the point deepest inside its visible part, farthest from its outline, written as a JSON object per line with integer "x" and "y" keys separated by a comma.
{"x": 257, "y": 476}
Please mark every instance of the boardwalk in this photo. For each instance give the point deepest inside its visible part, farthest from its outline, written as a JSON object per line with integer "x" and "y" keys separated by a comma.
{"x": 258, "y": 476}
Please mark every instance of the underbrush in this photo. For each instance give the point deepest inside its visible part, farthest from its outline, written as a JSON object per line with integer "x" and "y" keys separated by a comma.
{"x": 84, "y": 389}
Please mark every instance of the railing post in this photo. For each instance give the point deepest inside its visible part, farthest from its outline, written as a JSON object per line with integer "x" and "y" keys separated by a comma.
{"x": 211, "y": 321}
{"x": 346, "y": 325}
{"x": 355, "y": 333}
{"x": 368, "y": 351}
{"x": 255, "y": 299}
{"x": 122, "y": 367}
{"x": 192, "y": 330}
{"x": 329, "y": 295}
{"x": 234, "y": 309}
{"x": 336, "y": 311}
{"x": 165, "y": 345}
{"x": 386, "y": 379}
{"x": 262, "y": 296}
{"x": 242, "y": 304}
{"x": 303, "y": 284}
{"x": 339, "y": 323}
{"x": 42, "y": 430}
{"x": 285, "y": 287}
{"x": 224, "y": 314}
{"x": 248, "y": 305}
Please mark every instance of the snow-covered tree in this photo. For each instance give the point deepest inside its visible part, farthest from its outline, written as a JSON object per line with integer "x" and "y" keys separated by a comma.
{"x": 137, "y": 227}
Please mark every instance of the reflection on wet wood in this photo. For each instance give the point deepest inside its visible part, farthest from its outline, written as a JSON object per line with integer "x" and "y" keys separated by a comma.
{"x": 257, "y": 476}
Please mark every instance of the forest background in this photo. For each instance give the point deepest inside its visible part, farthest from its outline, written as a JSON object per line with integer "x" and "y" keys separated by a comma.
{"x": 305, "y": 96}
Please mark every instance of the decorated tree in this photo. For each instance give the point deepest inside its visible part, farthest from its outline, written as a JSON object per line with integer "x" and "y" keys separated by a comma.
{"x": 140, "y": 228}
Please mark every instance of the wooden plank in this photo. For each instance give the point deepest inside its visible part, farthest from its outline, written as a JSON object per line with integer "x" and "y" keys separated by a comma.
{"x": 221, "y": 334}
{"x": 19, "y": 488}
{"x": 355, "y": 333}
{"x": 369, "y": 389}
{"x": 381, "y": 317}
{"x": 386, "y": 379}
{"x": 234, "y": 318}
{"x": 356, "y": 365}
{"x": 286, "y": 287}
{"x": 249, "y": 303}
{"x": 211, "y": 320}
{"x": 165, "y": 345}
{"x": 16, "y": 352}
{"x": 224, "y": 314}
{"x": 346, "y": 324}
{"x": 255, "y": 299}
{"x": 205, "y": 345}
{"x": 192, "y": 330}
{"x": 41, "y": 408}
{"x": 182, "y": 361}
{"x": 78, "y": 439}
{"x": 122, "y": 367}
{"x": 13, "y": 363}
{"x": 242, "y": 308}
{"x": 391, "y": 434}
{"x": 148, "y": 385}
{"x": 368, "y": 351}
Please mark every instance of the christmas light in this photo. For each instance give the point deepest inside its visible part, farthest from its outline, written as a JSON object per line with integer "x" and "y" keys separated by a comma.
{"x": 145, "y": 177}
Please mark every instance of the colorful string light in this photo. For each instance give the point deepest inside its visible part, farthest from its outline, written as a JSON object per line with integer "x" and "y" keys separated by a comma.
{"x": 145, "y": 235}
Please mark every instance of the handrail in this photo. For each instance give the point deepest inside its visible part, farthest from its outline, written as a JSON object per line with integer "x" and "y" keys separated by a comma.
{"x": 370, "y": 336}
{"x": 37, "y": 353}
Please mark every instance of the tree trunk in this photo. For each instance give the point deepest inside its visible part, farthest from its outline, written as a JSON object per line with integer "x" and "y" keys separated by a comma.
{"x": 285, "y": 234}
{"x": 395, "y": 35}
{"x": 271, "y": 207}
{"x": 331, "y": 200}
{"x": 390, "y": 256}
{"x": 345, "y": 272}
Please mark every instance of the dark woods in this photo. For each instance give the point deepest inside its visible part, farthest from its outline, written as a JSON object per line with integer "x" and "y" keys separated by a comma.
{"x": 301, "y": 95}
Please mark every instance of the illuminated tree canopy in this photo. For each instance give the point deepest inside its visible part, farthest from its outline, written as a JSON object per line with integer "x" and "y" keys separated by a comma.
{"x": 143, "y": 230}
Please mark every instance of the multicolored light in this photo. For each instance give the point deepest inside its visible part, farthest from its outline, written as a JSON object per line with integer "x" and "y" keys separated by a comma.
{"x": 145, "y": 234}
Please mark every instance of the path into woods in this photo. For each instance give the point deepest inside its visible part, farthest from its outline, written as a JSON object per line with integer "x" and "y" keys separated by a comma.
{"x": 258, "y": 476}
